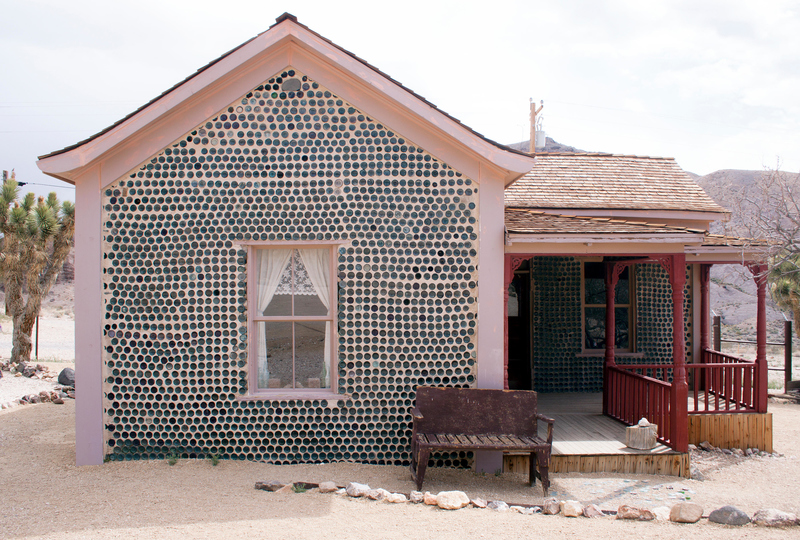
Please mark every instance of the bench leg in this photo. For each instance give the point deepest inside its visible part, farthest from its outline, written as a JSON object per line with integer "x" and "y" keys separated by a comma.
{"x": 532, "y": 469}
{"x": 422, "y": 464}
{"x": 543, "y": 462}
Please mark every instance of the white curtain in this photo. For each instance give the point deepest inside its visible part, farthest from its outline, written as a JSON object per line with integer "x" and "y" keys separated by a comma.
{"x": 317, "y": 263}
{"x": 270, "y": 264}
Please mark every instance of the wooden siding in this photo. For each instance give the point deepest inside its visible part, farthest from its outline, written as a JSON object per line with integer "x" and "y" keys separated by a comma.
{"x": 732, "y": 430}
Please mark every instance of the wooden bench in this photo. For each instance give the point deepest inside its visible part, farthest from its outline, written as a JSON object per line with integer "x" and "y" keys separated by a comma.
{"x": 479, "y": 419}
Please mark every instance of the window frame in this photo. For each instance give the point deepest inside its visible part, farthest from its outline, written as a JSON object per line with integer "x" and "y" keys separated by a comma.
{"x": 631, "y": 305}
{"x": 253, "y": 392}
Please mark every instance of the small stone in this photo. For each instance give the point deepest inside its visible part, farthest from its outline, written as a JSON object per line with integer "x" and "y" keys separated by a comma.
{"x": 592, "y": 511}
{"x": 499, "y": 506}
{"x": 429, "y": 498}
{"x": 288, "y": 488}
{"x": 452, "y": 500}
{"x": 571, "y": 508}
{"x": 327, "y": 487}
{"x": 355, "y": 489}
{"x": 661, "y": 513}
{"x": 272, "y": 485}
{"x": 341, "y": 491}
{"x": 692, "y": 447}
{"x": 416, "y": 497}
{"x": 377, "y": 494}
{"x": 396, "y": 498}
{"x": 479, "y": 503}
{"x": 697, "y": 475}
{"x": 58, "y": 401}
{"x": 686, "y": 512}
{"x": 762, "y": 453}
{"x": 726, "y": 451}
{"x": 551, "y": 507}
{"x": 628, "y": 512}
{"x": 738, "y": 452}
{"x": 748, "y": 452}
{"x": 67, "y": 377}
{"x": 729, "y": 515}
{"x": 707, "y": 446}
{"x": 772, "y": 517}
{"x": 525, "y": 511}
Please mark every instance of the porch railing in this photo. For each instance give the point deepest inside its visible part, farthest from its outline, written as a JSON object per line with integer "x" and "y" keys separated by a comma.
{"x": 636, "y": 392}
{"x": 722, "y": 383}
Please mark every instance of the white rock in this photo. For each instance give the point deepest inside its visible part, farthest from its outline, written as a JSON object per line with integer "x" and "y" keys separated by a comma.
{"x": 416, "y": 497}
{"x": 377, "y": 494}
{"x": 686, "y": 512}
{"x": 772, "y": 517}
{"x": 571, "y": 508}
{"x": 452, "y": 500}
{"x": 341, "y": 491}
{"x": 327, "y": 487}
{"x": 551, "y": 507}
{"x": 500, "y": 506}
{"x": 522, "y": 510}
{"x": 355, "y": 489}
{"x": 592, "y": 511}
{"x": 643, "y": 422}
{"x": 479, "y": 503}
{"x": 396, "y": 498}
{"x": 661, "y": 513}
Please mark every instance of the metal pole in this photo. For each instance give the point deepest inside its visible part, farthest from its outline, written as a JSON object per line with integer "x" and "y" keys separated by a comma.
{"x": 37, "y": 337}
{"x": 787, "y": 354}
{"x": 717, "y": 333}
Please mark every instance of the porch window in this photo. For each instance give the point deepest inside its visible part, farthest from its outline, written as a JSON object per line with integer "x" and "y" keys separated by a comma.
{"x": 291, "y": 318}
{"x": 594, "y": 308}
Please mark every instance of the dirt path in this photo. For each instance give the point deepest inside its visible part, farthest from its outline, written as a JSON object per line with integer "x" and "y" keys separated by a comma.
{"x": 44, "y": 495}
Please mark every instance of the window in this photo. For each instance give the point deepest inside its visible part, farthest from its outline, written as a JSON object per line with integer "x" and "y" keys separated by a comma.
{"x": 594, "y": 308}
{"x": 292, "y": 305}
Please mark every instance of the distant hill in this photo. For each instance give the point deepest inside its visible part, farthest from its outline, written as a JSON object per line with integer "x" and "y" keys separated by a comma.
{"x": 550, "y": 146}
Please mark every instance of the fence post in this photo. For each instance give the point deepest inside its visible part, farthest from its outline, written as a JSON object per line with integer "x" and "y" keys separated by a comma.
{"x": 787, "y": 354}
{"x": 717, "y": 333}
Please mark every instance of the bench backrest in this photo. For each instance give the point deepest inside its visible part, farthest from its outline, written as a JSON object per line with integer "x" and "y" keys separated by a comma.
{"x": 474, "y": 411}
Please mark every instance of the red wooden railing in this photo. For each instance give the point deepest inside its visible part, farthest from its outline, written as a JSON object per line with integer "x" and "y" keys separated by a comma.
{"x": 636, "y": 392}
{"x": 722, "y": 384}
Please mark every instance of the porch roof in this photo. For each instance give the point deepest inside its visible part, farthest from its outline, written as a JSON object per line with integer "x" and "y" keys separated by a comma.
{"x": 608, "y": 181}
{"x": 527, "y": 221}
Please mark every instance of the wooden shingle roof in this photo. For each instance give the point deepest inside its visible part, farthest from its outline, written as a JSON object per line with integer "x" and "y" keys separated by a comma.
{"x": 527, "y": 221}
{"x": 608, "y": 181}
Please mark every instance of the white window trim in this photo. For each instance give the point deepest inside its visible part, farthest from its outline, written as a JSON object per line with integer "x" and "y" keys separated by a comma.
{"x": 629, "y": 352}
{"x": 283, "y": 394}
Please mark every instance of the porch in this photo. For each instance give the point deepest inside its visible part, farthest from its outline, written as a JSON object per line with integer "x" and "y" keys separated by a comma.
{"x": 678, "y": 383}
{"x": 585, "y": 440}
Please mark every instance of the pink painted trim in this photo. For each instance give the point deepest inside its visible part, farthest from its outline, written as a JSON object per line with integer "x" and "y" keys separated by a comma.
{"x": 89, "y": 433}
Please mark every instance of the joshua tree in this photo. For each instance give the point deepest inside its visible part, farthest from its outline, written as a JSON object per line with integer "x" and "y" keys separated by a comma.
{"x": 37, "y": 236}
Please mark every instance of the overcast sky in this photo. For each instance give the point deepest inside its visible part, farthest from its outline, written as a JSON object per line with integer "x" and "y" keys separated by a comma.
{"x": 715, "y": 84}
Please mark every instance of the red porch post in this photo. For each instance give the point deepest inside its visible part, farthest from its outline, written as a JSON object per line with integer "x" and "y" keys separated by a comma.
{"x": 611, "y": 323}
{"x": 705, "y": 306}
{"x": 679, "y": 414}
{"x": 760, "y": 275}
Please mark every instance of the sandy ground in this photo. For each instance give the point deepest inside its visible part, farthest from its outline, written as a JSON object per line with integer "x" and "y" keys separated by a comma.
{"x": 44, "y": 495}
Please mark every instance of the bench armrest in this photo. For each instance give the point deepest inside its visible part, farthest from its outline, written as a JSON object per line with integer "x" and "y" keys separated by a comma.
{"x": 416, "y": 414}
{"x": 550, "y": 423}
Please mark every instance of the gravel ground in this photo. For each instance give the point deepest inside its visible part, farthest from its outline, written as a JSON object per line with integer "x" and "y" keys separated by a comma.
{"x": 44, "y": 495}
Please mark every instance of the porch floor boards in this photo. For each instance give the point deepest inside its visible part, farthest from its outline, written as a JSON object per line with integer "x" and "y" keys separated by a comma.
{"x": 582, "y": 429}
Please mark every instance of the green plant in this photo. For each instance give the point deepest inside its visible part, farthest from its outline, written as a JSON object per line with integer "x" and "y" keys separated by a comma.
{"x": 37, "y": 237}
{"x": 172, "y": 457}
{"x": 299, "y": 488}
{"x": 214, "y": 458}
{"x": 498, "y": 472}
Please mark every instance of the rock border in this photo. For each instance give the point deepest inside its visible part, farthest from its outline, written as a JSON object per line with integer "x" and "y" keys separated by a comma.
{"x": 682, "y": 512}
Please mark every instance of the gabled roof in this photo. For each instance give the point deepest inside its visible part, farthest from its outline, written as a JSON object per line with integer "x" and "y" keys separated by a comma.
{"x": 347, "y": 71}
{"x": 608, "y": 181}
